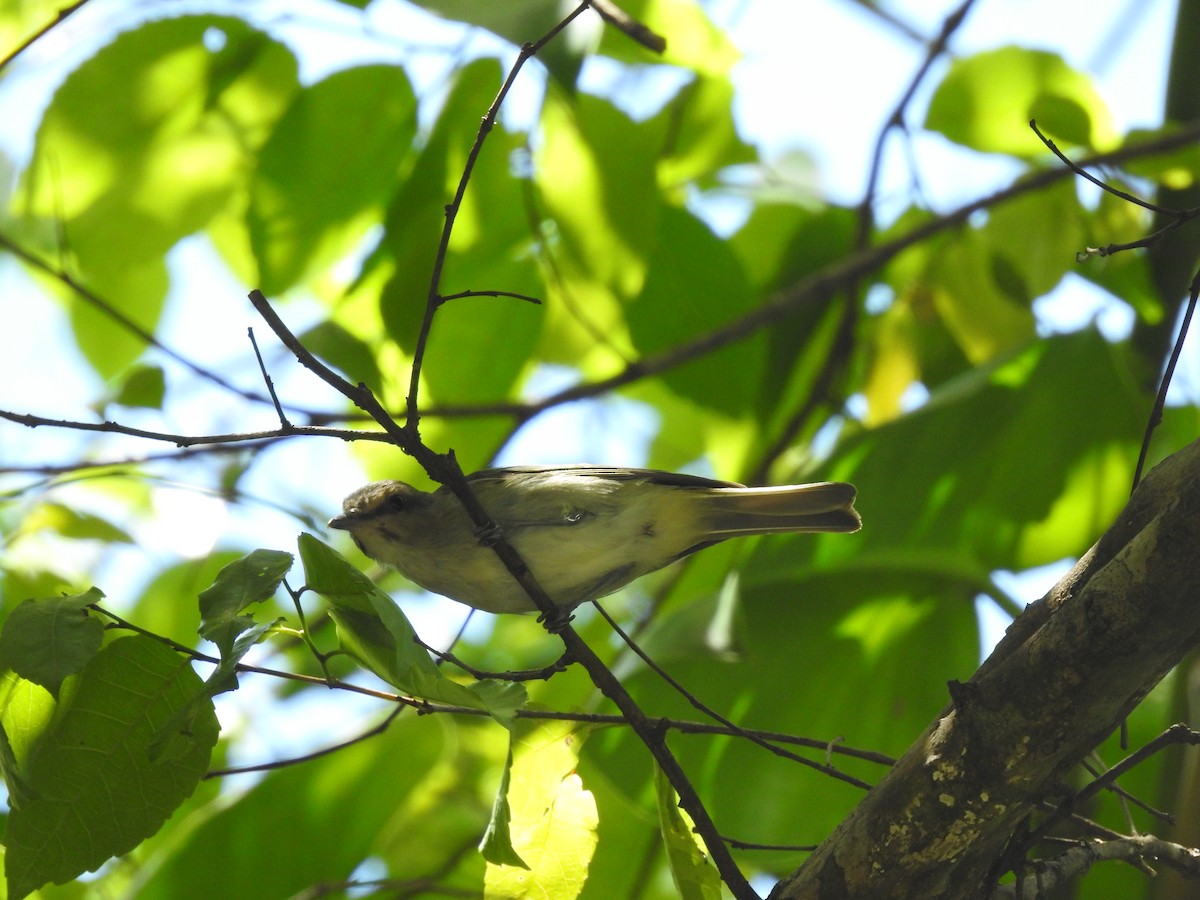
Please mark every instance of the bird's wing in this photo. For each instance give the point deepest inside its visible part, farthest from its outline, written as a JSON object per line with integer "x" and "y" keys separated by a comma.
{"x": 539, "y": 496}
{"x": 612, "y": 473}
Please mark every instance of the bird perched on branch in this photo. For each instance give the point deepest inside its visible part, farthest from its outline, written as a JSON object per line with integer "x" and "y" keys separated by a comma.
{"x": 583, "y": 531}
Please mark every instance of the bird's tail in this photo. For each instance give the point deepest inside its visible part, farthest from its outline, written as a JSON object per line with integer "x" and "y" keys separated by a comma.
{"x": 825, "y": 506}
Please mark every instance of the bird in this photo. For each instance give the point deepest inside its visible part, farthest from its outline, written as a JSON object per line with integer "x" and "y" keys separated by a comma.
{"x": 584, "y": 531}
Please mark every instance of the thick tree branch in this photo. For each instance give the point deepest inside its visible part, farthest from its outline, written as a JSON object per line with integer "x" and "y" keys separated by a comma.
{"x": 1057, "y": 686}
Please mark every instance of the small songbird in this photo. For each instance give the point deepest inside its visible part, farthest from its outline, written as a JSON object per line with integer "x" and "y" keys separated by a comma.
{"x": 583, "y": 531}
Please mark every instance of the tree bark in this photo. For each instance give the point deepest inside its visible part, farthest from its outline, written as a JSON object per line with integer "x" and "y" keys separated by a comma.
{"x": 1067, "y": 672}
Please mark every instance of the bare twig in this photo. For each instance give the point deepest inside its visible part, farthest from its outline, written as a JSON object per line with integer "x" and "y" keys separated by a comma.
{"x": 1160, "y": 399}
{"x": 704, "y": 709}
{"x": 1176, "y": 734}
{"x": 186, "y": 440}
{"x": 1178, "y": 217}
{"x": 61, "y": 16}
{"x": 109, "y": 310}
{"x": 1104, "y": 186}
{"x": 434, "y": 299}
{"x": 308, "y": 757}
{"x": 628, "y": 25}
{"x": 262, "y": 367}
{"x": 446, "y": 298}
{"x": 1049, "y": 874}
{"x": 838, "y": 353}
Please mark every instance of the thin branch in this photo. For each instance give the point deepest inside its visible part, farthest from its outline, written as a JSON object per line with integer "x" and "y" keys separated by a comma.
{"x": 895, "y": 119}
{"x": 1048, "y": 875}
{"x": 542, "y": 674}
{"x": 109, "y": 310}
{"x": 1160, "y": 399}
{"x": 262, "y": 367}
{"x": 629, "y": 26}
{"x": 682, "y": 726}
{"x": 842, "y": 343}
{"x": 61, "y": 16}
{"x": 706, "y": 710}
{"x": 779, "y": 848}
{"x": 186, "y": 440}
{"x": 446, "y": 470}
{"x": 1104, "y": 186}
{"x": 433, "y": 299}
{"x": 1178, "y": 217}
{"x": 308, "y": 757}
{"x": 1176, "y": 734}
{"x": 446, "y": 298}
{"x": 820, "y": 285}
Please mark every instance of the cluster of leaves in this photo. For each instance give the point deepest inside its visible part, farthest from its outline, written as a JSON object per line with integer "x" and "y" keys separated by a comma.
{"x": 189, "y": 125}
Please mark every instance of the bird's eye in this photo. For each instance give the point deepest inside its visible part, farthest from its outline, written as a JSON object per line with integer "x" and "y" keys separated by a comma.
{"x": 395, "y": 503}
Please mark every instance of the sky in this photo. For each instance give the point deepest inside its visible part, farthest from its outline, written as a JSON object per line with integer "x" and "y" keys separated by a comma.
{"x": 809, "y": 82}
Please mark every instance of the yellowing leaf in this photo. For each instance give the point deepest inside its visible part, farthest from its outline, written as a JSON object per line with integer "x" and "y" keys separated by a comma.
{"x": 552, "y": 819}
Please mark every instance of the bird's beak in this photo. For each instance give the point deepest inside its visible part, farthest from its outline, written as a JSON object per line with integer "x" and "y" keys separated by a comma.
{"x": 341, "y": 522}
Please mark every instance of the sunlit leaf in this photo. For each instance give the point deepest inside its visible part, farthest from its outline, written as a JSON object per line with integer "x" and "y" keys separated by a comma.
{"x": 553, "y": 819}
{"x": 142, "y": 145}
{"x": 984, "y": 317}
{"x": 74, "y": 523}
{"x": 704, "y": 137}
{"x": 496, "y": 845}
{"x": 327, "y": 171}
{"x": 986, "y": 101}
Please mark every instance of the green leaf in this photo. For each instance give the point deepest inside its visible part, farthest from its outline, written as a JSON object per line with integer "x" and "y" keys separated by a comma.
{"x": 73, "y": 523}
{"x": 986, "y": 101}
{"x": 26, "y": 710}
{"x": 777, "y": 247}
{"x": 251, "y": 579}
{"x": 695, "y": 276}
{"x": 986, "y": 486}
{"x": 984, "y": 318}
{"x": 240, "y": 584}
{"x": 98, "y": 795}
{"x": 604, "y": 207}
{"x": 141, "y": 146}
{"x": 374, "y": 631}
{"x": 47, "y": 641}
{"x": 327, "y": 171}
{"x": 522, "y": 23}
{"x": 695, "y": 877}
{"x": 693, "y": 41}
{"x": 382, "y": 798}
{"x": 703, "y": 135}
{"x": 496, "y": 845}
{"x": 1037, "y": 237}
{"x": 340, "y": 348}
{"x": 143, "y": 386}
{"x": 553, "y": 819}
